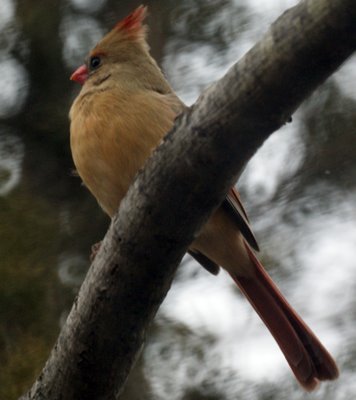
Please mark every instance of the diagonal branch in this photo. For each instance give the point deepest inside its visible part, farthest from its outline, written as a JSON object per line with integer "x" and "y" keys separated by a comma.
{"x": 181, "y": 184}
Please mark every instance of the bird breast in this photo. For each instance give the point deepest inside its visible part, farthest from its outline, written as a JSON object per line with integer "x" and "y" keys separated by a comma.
{"x": 112, "y": 134}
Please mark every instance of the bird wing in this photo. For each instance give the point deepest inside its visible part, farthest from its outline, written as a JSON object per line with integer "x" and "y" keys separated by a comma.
{"x": 204, "y": 261}
{"x": 233, "y": 206}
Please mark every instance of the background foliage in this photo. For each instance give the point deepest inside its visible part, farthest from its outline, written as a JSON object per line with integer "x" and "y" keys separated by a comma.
{"x": 299, "y": 190}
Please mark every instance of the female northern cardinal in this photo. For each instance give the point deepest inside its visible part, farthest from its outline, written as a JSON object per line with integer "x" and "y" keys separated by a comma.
{"x": 124, "y": 109}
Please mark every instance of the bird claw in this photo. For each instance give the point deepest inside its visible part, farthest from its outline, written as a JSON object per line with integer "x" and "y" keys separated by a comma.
{"x": 94, "y": 250}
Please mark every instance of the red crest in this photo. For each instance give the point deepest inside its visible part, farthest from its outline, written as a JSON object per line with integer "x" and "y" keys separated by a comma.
{"x": 132, "y": 24}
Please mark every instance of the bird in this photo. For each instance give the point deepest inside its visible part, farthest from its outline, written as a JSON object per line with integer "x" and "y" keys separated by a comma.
{"x": 124, "y": 109}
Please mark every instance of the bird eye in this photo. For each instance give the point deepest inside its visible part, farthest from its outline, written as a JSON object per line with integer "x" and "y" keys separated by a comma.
{"x": 94, "y": 62}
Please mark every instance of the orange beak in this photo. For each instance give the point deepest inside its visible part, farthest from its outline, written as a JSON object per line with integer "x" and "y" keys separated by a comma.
{"x": 80, "y": 75}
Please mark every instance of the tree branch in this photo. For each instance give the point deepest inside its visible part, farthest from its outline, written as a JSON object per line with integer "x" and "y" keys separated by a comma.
{"x": 182, "y": 183}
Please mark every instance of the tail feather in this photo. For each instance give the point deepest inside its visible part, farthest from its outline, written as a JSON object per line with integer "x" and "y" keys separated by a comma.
{"x": 307, "y": 357}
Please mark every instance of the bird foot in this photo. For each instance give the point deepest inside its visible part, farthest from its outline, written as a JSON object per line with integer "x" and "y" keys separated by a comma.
{"x": 94, "y": 250}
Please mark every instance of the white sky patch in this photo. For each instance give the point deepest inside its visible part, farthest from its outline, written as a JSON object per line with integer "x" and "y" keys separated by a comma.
{"x": 87, "y": 5}
{"x": 326, "y": 253}
{"x": 191, "y": 62}
{"x": 211, "y": 304}
{"x": 72, "y": 269}
{"x": 14, "y": 86}
{"x": 276, "y": 161}
{"x": 198, "y": 301}
{"x": 11, "y": 157}
{"x": 79, "y": 34}
{"x": 268, "y": 9}
{"x": 7, "y": 13}
{"x": 345, "y": 77}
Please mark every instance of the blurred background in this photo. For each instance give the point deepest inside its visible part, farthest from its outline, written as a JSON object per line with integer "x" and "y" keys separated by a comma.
{"x": 299, "y": 190}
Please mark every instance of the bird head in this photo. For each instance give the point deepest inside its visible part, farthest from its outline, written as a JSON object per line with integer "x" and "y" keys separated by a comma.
{"x": 123, "y": 48}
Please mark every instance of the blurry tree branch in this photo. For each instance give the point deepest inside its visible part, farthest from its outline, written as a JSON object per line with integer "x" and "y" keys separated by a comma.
{"x": 182, "y": 183}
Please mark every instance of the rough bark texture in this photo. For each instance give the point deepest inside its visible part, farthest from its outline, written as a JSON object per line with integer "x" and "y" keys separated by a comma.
{"x": 181, "y": 184}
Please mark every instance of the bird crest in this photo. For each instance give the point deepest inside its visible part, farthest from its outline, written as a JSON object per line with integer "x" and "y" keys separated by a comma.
{"x": 132, "y": 25}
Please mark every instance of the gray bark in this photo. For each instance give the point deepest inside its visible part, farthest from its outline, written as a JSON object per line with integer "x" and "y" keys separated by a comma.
{"x": 182, "y": 183}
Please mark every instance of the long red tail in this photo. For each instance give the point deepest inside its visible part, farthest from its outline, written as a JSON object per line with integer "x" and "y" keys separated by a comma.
{"x": 307, "y": 357}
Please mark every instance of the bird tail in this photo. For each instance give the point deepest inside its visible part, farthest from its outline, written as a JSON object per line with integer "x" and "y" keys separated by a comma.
{"x": 307, "y": 357}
